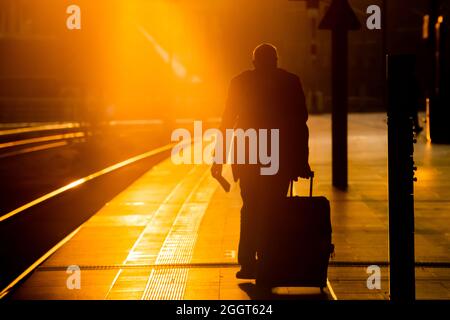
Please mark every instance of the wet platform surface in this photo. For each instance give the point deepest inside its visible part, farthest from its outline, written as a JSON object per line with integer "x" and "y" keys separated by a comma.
{"x": 173, "y": 234}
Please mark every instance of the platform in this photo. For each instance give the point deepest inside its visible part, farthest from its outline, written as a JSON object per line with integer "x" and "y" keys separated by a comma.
{"x": 173, "y": 234}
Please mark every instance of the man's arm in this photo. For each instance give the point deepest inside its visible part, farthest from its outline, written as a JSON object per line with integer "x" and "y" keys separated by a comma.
{"x": 230, "y": 114}
{"x": 300, "y": 102}
{"x": 229, "y": 119}
{"x": 302, "y": 133}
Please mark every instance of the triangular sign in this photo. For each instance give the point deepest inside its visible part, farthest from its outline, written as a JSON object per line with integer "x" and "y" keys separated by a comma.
{"x": 340, "y": 16}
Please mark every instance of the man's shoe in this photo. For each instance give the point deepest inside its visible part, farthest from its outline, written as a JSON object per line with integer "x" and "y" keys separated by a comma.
{"x": 246, "y": 273}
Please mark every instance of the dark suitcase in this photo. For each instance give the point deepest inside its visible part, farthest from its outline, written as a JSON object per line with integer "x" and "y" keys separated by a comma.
{"x": 296, "y": 244}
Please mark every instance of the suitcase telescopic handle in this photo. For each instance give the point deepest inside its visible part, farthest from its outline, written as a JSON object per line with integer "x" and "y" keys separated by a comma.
{"x": 311, "y": 181}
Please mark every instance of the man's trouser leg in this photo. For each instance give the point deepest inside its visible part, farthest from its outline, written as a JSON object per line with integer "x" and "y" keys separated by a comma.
{"x": 248, "y": 231}
{"x": 260, "y": 197}
{"x": 272, "y": 194}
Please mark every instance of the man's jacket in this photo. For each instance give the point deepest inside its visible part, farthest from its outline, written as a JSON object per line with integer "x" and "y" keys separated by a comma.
{"x": 270, "y": 99}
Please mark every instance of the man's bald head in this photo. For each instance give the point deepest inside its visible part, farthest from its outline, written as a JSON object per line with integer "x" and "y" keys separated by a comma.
{"x": 265, "y": 56}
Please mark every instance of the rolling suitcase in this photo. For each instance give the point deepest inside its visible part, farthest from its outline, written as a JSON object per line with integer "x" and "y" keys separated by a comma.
{"x": 296, "y": 244}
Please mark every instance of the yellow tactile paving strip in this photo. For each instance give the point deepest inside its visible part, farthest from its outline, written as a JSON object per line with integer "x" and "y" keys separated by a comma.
{"x": 167, "y": 239}
{"x": 169, "y": 284}
{"x": 146, "y": 249}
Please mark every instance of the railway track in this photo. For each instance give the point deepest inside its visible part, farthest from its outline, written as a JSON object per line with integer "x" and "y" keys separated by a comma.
{"x": 29, "y": 232}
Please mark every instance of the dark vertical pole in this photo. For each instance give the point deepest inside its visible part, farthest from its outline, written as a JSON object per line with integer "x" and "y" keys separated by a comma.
{"x": 339, "y": 112}
{"x": 340, "y": 19}
{"x": 401, "y": 177}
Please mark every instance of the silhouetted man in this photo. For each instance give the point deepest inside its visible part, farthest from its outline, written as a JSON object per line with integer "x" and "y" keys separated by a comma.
{"x": 265, "y": 98}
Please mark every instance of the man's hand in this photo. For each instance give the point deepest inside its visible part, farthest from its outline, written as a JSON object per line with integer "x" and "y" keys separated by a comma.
{"x": 216, "y": 170}
{"x": 303, "y": 172}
